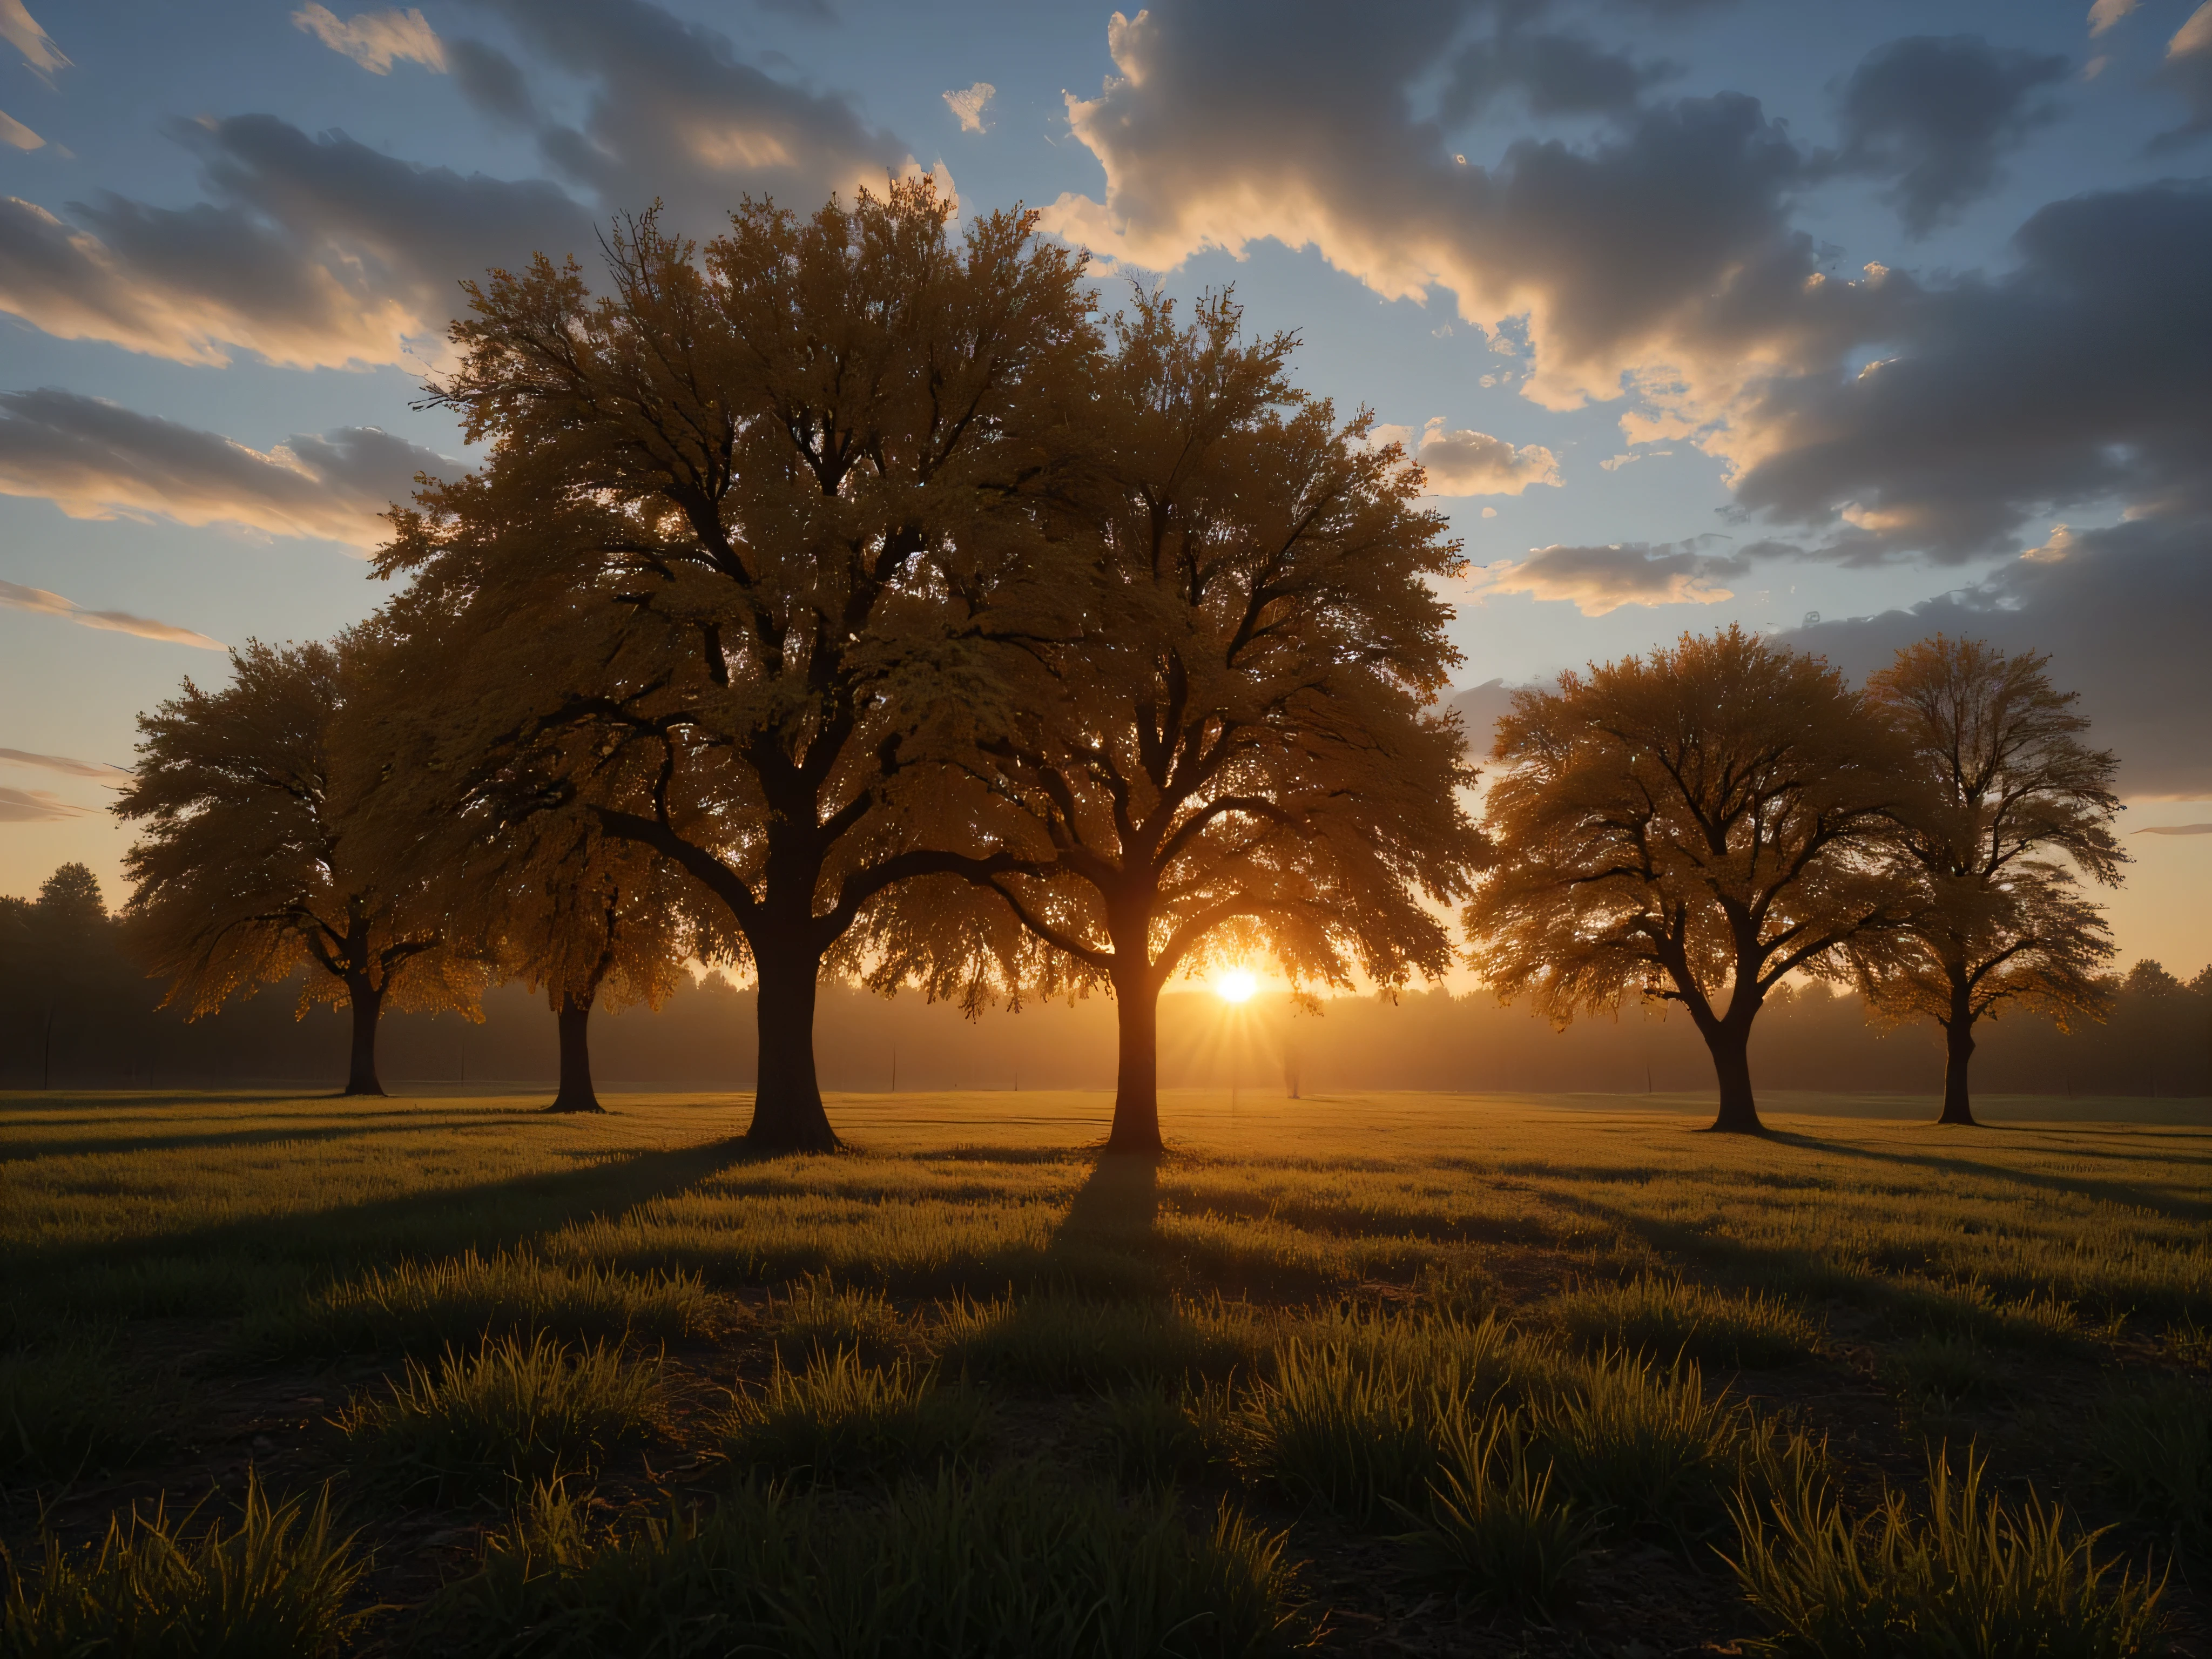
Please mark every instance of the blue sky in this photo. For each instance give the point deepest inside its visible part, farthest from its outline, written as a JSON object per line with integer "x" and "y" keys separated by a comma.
{"x": 1618, "y": 268}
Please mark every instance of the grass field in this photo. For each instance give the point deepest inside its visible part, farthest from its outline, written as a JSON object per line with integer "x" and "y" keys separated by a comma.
{"x": 1380, "y": 1374}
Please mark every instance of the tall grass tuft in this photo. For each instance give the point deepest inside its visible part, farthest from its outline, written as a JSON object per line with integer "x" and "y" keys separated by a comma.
{"x": 1670, "y": 1319}
{"x": 507, "y": 1412}
{"x": 1014, "y": 1564}
{"x": 839, "y": 1418}
{"x": 819, "y": 1315}
{"x": 1328, "y": 1429}
{"x": 2155, "y": 1441}
{"x": 1646, "y": 1446}
{"x": 67, "y": 1410}
{"x": 273, "y": 1586}
{"x": 1975, "y": 1576}
{"x": 1494, "y": 1527}
{"x": 421, "y": 1307}
{"x": 1154, "y": 1438}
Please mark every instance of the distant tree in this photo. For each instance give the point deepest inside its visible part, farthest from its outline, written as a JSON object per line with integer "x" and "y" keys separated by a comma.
{"x": 1237, "y": 751}
{"x": 1690, "y": 827}
{"x": 2010, "y": 791}
{"x": 247, "y": 867}
{"x": 64, "y": 948}
{"x": 734, "y": 547}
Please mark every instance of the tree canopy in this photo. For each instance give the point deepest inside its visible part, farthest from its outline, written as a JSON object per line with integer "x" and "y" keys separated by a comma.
{"x": 1233, "y": 749}
{"x": 2014, "y": 804}
{"x": 1690, "y": 826}
{"x": 247, "y": 865}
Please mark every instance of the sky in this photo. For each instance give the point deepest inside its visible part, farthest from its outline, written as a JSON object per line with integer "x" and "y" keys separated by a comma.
{"x": 1846, "y": 323}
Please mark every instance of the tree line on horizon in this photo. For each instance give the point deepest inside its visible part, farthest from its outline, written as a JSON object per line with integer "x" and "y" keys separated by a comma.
{"x": 834, "y": 599}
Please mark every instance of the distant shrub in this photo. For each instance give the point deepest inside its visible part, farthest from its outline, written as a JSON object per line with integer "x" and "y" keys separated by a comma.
{"x": 1012, "y": 1565}
{"x": 1670, "y": 1319}
{"x": 838, "y": 1419}
{"x": 506, "y": 1414}
{"x": 68, "y": 1409}
{"x": 1494, "y": 1527}
{"x": 275, "y": 1585}
{"x": 1973, "y": 1576}
{"x": 424, "y": 1307}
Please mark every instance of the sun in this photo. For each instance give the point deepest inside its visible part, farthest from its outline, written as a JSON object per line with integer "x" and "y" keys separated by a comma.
{"x": 1236, "y": 986}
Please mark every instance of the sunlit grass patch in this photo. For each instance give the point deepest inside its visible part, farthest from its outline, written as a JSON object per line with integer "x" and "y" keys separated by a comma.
{"x": 2154, "y": 1440}
{"x": 1969, "y": 1574}
{"x": 839, "y": 1418}
{"x": 1061, "y": 1344}
{"x": 507, "y": 1412}
{"x": 1494, "y": 1527}
{"x": 1666, "y": 1319}
{"x": 67, "y": 1409}
{"x": 1015, "y": 1565}
{"x": 819, "y": 1314}
{"x": 273, "y": 1585}
{"x": 421, "y": 1307}
{"x": 1645, "y": 1445}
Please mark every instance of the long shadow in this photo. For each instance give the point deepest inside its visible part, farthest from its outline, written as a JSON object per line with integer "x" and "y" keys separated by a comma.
{"x": 14, "y": 1151}
{"x": 488, "y": 1216}
{"x": 2109, "y": 1191}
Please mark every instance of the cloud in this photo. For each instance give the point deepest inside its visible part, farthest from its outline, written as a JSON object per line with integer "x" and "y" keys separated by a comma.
{"x": 1464, "y": 463}
{"x": 491, "y": 81}
{"x": 375, "y": 40}
{"x": 2188, "y": 70}
{"x": 43, "y": 602}
{"x": 37, "y": 807}
{"x": 96, "y": 459}
{"x": 1554, "y": 74}
{"x": 1614, "y": 463}
{"x": 968, "y": 105}
{"x": 76, "y": 769}
{"x": 14, "y": 132}
{"x": 2175, "y": 829}
{"x": 1599, "y": 580}
{"x": 1934, "y": 114}
{"x": 21, "y": 31}
{"x": 2076, "y": 377}
{"x": 2123, "y": 613}
{"x": 2106, "y": 12}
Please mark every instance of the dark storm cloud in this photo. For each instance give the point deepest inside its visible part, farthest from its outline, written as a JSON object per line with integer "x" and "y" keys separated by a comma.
{"x": 2123, "y": 613}
{"x": 1935, "y": 112}
{"x": 2084, "y": 373}
{"x": 491, "y": 81}
{"x": 1554, "y": 74}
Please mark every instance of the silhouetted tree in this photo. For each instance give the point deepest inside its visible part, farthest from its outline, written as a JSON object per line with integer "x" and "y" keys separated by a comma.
{"x": 735, "y": 548}
{"x": 2010, "y": 790}
{"x": 1694, "y": 824}
{"x": 247, "y": 867}
{"x": 1236, "y": 751}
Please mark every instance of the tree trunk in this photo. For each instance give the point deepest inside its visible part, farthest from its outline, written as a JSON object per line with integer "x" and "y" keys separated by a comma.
{"x": 1136, "y": 1127}
{"x": 361, "y": 1069}
{"x": 787, "y": 1115}
{"x": 1958, "y": 1049}
{"x": 1730, "y": 1043}
{"x": 576, "y": 1094}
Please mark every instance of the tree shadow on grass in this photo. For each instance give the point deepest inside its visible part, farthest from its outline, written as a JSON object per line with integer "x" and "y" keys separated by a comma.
{"x": 486, "y": 1216}
{"x": 2108, "y": 1192}
{"x": 95, "y": 1145}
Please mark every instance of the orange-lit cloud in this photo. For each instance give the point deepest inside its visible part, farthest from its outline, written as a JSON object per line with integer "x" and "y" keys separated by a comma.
{"x": 39, "y": 601}
{"x": 376, "y": 39}
{"x": 1598, "y": 581}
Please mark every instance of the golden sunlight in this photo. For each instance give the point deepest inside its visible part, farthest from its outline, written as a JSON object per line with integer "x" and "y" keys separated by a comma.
{"x": 1236, "y": 986}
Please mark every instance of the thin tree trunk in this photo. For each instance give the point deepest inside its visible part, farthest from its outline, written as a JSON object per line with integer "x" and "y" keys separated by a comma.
{"x": 575, "y": 1093}
{"x": 787, "y": 1115}
{"x": 1136, "y": 1127}
{"x": 1958, "y": 1050}
{"x": 361, "y": 1069}
{"x": 1730, "y": 1043}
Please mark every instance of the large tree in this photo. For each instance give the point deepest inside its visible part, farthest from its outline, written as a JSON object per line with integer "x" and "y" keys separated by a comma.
{"x": 1690, "y": 827}
{"x": 736, "y": 547}
{"x": 1237, "y": 751}
{"x": 247, "y": 868}
{"x": 2014, "y": 805}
